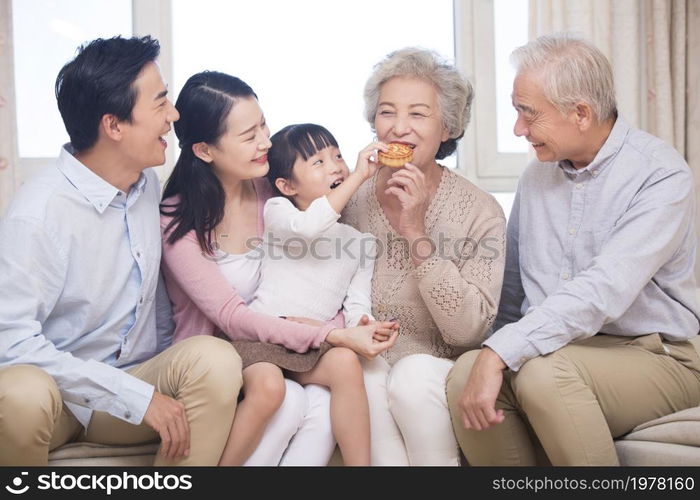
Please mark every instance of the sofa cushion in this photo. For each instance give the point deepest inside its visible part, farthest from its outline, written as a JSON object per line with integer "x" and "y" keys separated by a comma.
{"x": 100, "y": 454}
{"x": 646, "y": 453}
{"x": 682, "y": 427}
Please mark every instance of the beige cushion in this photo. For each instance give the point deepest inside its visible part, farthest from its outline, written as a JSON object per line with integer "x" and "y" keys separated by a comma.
{"x": 682, "y": 427}
{"x": 100, "y": 454}
{"x": 645, "y": 453}
{"x": 670, "y": 440}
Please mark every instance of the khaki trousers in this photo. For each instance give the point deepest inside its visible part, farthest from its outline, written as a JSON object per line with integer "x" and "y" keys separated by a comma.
{"x": 202, "y": 372}
{"x": 573, "y": 402}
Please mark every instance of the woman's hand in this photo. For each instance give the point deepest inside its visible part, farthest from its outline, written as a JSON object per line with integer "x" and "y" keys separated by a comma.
{"x": 361, "y": 340}
{"x": 409, "y": 186}
{"x": 367, "y": 164}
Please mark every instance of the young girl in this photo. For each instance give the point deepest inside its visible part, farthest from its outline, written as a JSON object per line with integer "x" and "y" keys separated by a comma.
{"x": 312, "y": 266}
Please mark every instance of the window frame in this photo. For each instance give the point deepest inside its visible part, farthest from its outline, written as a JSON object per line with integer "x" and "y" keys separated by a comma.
{"x": 478, "y": 158}
{"x": 482, "y": 163}
{"x": 148, "y": 17}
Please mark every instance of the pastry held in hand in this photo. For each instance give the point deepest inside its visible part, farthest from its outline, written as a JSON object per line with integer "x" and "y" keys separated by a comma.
{"x": 397, "y": 156}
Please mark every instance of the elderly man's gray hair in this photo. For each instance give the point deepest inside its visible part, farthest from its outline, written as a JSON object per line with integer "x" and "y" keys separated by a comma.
{"x": 455, "y": 93}
{"x": 572, "y": 70}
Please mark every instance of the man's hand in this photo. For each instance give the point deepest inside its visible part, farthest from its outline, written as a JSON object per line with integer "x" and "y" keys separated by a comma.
{"x": 167, "y": 417}
{"x": 478, "y": 401}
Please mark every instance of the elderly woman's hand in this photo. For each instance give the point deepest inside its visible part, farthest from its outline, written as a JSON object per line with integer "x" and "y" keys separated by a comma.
{"x": 409, "y": 186}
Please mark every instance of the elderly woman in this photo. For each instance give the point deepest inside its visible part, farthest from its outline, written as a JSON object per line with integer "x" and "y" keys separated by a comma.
{"x": 440, "y": 265}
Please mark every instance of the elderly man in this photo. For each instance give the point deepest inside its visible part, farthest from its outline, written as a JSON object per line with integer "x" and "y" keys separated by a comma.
{"x": 598, "y": 301}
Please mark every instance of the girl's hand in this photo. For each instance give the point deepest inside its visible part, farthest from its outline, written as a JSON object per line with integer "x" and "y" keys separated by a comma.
{"x": 408, "y": 185}
{"x": 361, "y": 340}
{"x": 367, "y": 164}
{"x": 384, "y": 332}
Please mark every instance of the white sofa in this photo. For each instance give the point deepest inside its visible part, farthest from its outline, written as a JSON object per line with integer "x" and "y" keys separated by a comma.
{"x": 670, "y": 440}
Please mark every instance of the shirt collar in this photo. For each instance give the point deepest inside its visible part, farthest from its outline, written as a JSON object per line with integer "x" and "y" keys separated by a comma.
{"x": 94, "y": 188}
{"x": 605, "y": 155}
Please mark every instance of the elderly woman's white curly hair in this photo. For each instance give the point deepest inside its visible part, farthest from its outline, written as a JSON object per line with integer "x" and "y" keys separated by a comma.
{"x": 454, "y": 91}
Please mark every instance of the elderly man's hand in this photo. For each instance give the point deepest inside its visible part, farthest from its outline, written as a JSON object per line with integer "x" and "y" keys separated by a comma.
{"x": 478, "y": 401}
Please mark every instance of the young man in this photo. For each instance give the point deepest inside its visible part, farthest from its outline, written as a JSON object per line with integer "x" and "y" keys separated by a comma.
{"x": 79, "y": 284}
{"x": 598, "y": 302}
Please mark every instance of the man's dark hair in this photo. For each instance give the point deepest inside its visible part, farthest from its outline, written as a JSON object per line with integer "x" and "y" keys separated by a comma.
{"x": 99, "y": 81}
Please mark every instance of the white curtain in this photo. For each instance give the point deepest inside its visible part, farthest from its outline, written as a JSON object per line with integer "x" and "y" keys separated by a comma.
{"x": 692, "y": 132}
{"x": 654, "y": 48}
{"x": 8, "y": 155}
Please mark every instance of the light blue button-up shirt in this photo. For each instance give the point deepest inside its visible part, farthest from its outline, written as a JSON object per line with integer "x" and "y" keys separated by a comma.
{"x": 608, "y": 248}
{"x": 79, "y": 268}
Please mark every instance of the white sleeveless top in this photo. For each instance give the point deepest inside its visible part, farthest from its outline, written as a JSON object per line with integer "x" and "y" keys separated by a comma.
{"x": 242, "y": 271}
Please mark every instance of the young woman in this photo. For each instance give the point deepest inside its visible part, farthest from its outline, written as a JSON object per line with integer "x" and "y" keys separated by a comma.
{"x": 212, "y": 218}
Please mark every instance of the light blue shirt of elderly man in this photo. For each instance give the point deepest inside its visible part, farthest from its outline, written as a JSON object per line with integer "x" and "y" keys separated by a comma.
{"x": 598, "y": 302}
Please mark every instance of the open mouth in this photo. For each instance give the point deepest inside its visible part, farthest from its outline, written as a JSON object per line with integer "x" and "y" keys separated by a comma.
{"x": 337, "y": 183}
{"x": 537, "y": 145}
{"x": 163, "y": 142}
{"x": 409, "y": 144}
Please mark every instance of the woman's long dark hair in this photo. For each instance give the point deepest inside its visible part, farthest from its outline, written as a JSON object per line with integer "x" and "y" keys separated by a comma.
{"x": 204, "y": 104}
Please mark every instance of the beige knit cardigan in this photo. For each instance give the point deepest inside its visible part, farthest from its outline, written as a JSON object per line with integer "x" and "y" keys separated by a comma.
{"x": 447, "y": 304}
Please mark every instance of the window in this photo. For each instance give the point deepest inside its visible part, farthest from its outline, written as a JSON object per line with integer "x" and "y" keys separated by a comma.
{"x": 46, "y": 35}
{"x": 494, "y": 157}
{"x": 308, "y": 61}
{"x": 509, "y": 32}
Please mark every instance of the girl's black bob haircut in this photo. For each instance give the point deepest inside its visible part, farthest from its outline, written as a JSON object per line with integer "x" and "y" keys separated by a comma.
{"x": 293, "y": 141}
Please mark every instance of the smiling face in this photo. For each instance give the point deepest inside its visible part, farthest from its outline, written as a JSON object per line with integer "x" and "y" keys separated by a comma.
{"x": 241, "y": 152}
{"x": 409, "y": 112}
{"x": 553, "y": 135}
{"x": 143, "y": 136}
{"x": 317, "y": 176}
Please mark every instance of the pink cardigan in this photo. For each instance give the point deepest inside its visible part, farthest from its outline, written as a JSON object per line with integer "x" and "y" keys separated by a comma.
{"x": 204, "y": 302}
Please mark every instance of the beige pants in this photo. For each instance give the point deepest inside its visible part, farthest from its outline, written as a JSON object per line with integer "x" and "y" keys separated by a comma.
{"x": 202, "y": 372}
{"x": 573, "y": 402}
